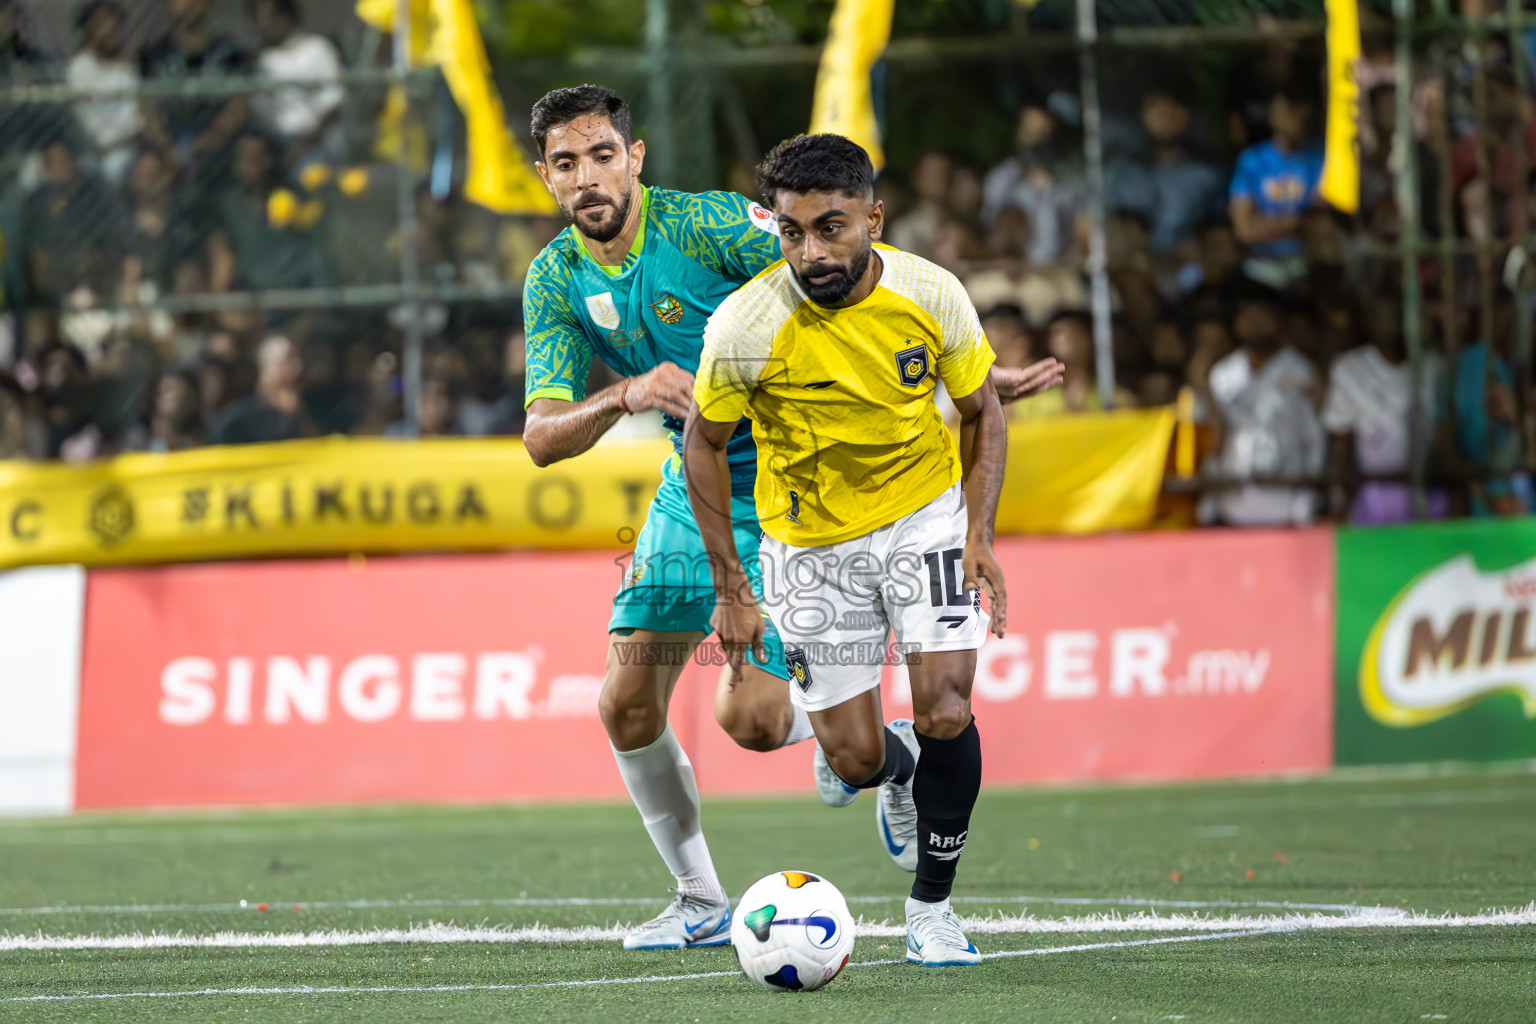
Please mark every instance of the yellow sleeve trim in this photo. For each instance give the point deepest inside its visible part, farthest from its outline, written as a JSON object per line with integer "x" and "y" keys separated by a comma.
{"x": 558, "y": 391}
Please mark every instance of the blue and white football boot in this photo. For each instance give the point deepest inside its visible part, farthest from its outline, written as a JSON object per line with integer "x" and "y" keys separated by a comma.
{"x": 934, "y": 936}
{"x": 688, "y": 921}
{"x": 895, "y": 813}
{"x": 833, "y": 790}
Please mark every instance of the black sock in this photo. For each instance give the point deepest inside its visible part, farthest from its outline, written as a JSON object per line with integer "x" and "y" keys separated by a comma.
{"x": 898, "y": 767}
{"x": 944, "y": 789}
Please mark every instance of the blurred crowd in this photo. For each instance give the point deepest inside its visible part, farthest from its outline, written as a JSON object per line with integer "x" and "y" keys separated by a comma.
{"x": 134, "y": 193}
{"x": 1271, "y": 321}
{"x": 1274, "y": 321}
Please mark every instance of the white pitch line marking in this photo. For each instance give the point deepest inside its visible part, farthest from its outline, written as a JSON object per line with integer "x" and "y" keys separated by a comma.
{"x": 1001, "y": 924}
{"x": 1133, "y": 901}
{"x": 279, "y": 904}
{"x": 582, "y": 983}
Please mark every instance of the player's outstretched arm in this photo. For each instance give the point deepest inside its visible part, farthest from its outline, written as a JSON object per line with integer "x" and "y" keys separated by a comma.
{"x": 1016, "y": 382}
{"x": 983, "y": 450}
{"x": 736, "y": 616}
{"x": 558, "y": 429}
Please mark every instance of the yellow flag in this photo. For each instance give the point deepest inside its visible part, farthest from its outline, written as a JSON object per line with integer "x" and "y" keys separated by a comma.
{"x": 499, "y": 177}
{"x": 844, "y": 101}
{"x": 1341, "y": 156}
{"x": 443, "y": 32}
{"x": 381, "y": 15}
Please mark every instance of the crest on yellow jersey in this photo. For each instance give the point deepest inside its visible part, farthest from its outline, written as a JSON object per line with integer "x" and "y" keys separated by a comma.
{"x": 912, "y": 365}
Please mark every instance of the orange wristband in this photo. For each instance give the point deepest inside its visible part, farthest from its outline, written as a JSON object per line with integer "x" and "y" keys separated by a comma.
{"x": 623, "y": 395}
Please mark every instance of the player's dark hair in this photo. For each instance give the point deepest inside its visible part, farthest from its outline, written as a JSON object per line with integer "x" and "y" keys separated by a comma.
{"x": 1248, "y": 292}
{"x": 1062, "y": 316}
{"x": 562, "y": 106}
{"x": 1006, "y": 310}
{"x": 1299, "y": 93}
{"x": 95, "y": 7}
{"x": 287, "y": 8}
{"x": 816, "y": 163}
{"x": 1215, "y": 222}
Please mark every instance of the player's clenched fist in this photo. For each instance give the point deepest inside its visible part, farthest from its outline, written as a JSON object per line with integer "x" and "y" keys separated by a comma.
{"x": 982, "y": 571}
{"x": 668, "y": 387}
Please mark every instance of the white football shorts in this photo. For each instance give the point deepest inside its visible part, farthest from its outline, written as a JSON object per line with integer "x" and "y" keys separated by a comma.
{"x": 836, "y": 605}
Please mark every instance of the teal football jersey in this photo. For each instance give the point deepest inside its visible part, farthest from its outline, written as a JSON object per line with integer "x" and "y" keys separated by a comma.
{"x": 695, "y": 250}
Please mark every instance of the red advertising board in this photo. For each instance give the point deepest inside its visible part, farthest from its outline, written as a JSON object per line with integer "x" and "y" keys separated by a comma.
{"x": 386, "y": 679}
{"x": 1161, "y": 656}
{"x": 476, "y": 677}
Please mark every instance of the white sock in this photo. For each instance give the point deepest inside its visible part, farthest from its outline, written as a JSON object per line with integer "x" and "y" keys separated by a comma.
{"x": 661, "y": 783}
{"x": 919, "y": 907}
{"x": 800, "y": 728}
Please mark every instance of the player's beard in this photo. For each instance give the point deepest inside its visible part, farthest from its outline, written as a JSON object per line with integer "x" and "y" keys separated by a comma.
{"x": 609, "y": 227}
{"x": 840, "y": 285}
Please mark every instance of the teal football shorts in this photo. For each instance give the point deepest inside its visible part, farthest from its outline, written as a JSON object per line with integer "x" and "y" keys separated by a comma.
{"x": 667, "y": 587}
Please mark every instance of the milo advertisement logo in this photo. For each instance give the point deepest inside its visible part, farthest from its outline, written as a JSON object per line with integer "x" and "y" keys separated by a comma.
{"x": 1436, "y": 642}
{"x": 1450, "y": 638}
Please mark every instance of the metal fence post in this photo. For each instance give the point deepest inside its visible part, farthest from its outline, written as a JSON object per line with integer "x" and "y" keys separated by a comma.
{"x": 405, "y": 196}
{"x": 1515, "y": 24}
{"x": 1093, "y": 155}
{"x": 1408, "y": 246}
{"x": 661, "y": 154}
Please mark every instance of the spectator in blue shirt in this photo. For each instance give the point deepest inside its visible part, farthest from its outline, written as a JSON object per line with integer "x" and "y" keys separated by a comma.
{"x": 1274, "y": 182}
{"x": 1480, "y": 417}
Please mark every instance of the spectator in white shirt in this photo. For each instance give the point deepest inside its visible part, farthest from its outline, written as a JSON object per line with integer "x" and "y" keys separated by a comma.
{"x": 100, "y": 66}
{"x": 298, "y": 114}
{"x": 1367, "y": 415}
{"x": 1265, "y": 395}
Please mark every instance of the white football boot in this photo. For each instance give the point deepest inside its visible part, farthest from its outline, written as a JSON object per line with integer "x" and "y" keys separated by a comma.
{"x": 833, "y": 790}
{"x": 895, "y": 813}
{"x": 687, "y": 921}
{"x": 934, "y": 937}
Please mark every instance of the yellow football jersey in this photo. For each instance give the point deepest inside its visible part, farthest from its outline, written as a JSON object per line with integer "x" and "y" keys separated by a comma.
{"x": 848, "y": 435}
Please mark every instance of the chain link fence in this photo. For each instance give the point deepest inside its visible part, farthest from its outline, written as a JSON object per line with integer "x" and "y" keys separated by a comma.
{"x": 1129, "y": 187}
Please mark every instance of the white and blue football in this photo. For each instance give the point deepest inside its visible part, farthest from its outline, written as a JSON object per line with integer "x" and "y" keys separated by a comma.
{"x": 792, "y": 931}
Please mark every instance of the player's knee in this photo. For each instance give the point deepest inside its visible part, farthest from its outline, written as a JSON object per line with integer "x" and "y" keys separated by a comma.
{"x": 752, "y": 726}
{"x": 757, "y": 736}
{"x": 855, "y": 766}
{"x": 946, "y": 719}
{"x": 630, "y": 725}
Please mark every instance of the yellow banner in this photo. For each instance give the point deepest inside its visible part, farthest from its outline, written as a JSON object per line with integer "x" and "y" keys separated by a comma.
{"x": 443, "y": 32}
{"x": 1085, "y": 474}
{"x": 1340, "y": 186}
{"x": 844, "y": 99}
{"x": 330, "y": 496}
{"x": 341, "y": 496}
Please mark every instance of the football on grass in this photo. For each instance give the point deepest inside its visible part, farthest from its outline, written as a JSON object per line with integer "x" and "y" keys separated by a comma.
{"x": 792, "y": 931}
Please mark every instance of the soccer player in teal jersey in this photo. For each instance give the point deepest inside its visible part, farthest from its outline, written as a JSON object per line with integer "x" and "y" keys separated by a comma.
{"x": 634, "y": 279}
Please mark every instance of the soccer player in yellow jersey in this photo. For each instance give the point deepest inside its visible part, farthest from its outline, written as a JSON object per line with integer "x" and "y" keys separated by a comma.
{"x": 874, "y": 522}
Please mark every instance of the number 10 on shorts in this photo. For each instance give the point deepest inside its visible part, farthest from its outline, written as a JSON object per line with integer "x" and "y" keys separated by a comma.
{"x": 944, "y": 584}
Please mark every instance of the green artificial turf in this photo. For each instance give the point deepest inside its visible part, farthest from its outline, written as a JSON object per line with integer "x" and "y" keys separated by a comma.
{"x": 1459, "y": 843}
